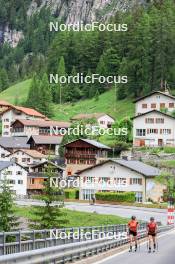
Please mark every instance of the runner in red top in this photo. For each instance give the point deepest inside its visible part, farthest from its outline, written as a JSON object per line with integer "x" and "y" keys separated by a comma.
{"x": 152, "y": 230}
{"x": 133, "y": 226}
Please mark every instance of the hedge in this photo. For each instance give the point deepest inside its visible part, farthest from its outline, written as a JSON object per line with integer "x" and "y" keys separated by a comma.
{"x": 116, "y": 197}
{"x": 71, "y": 193}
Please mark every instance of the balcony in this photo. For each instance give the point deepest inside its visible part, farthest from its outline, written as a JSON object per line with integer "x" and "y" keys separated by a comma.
{"x": 79, "y": 155}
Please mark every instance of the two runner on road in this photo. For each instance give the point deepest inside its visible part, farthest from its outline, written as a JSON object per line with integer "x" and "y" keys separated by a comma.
{"x": 133, "y": 226}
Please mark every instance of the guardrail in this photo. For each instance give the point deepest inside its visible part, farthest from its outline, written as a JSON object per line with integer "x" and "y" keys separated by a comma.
{"x": 21, "y": 241}
{"x": 69, "y": 252}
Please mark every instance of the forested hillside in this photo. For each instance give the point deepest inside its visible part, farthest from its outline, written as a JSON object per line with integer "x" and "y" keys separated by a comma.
{"x": 145, "y": 53}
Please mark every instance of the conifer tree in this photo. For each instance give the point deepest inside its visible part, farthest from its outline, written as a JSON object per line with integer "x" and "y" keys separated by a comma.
{"x": 8, "y": 220}
{"x": 45, "y": 97}
{"x": 49, "y": 216}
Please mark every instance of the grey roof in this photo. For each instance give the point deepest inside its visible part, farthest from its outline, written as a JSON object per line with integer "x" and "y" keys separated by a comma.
{"x": 134, "y": 165}
{"x": 55, "y": 140}
{"x": 5, "y": 164}
{"x": 139, "y": 167}
{"x": 14, "y": 142}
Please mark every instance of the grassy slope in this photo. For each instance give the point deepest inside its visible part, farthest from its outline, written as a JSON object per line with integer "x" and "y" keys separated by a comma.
{"x": 19, "y": 90}
{"x": 76, "y": 218}
{"x": 106, "y": 103}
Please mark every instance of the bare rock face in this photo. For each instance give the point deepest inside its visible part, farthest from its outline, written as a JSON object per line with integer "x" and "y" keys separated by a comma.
{"x": 71, "y": 12}
{"x": 86, "y": 11}
{"x": 12, "y": 36}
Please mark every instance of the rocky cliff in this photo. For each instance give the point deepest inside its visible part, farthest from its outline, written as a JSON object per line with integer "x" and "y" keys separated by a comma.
{"x": 73, "y": 11}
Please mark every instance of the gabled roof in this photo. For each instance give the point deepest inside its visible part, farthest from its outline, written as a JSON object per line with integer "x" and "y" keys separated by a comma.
{"x": 5, "y": 164}
{"x": 31, "y": 152}
{"x": 47, "y": 162}
{"x": 89, "y": 116}
{"x": 134, "y": 165}
{"x": 91, "y": 142}
{"x": 14, "y": 142}
{"x": 5, "y": 103}
{"x": 25, "y": 110}
{"x": 46, "y": 140}
{"x": 153, "y": 111}
{"x": 42, "y": 123}
{"x": 154, "y": 92}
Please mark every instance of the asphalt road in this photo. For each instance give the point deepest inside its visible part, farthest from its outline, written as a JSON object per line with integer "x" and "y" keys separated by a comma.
{"x": 164, "y": 255}
{"x": 141, "y": 213}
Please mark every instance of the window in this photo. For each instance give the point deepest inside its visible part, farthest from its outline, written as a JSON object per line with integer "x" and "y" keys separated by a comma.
{"x": 2, "y": 155}
{"x": 102, "y": 122}
{"x": 144, "y": 105}
{"x": 165, "y": 131}
{"x": 171, "y": 105}
{"x": 140, "y": 132}
{"x": 136, "y": 181}
{"x": 11, "y": 181}
{"x": 20, "y": 181}
{"x": 162, "y": 105}
{"x": 153, "y": 105}
{"x": 32, "y": 181}
{"x": 6, "y": 120}
{"x": 149, "y": 120}
{"x": 6, "y": 126}
{"x": 18, "y": 172}
{"x": 159, "y": 120}
{"x": 9, "y": 172}
{"x": 28, "y": 159}
{"x": 23, "y": 159}
{"x": 152, "y": 131}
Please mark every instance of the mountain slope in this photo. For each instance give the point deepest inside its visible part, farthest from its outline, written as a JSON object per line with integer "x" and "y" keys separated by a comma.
{"x": 17, "y": 92}
{"x": 106, "y": 103}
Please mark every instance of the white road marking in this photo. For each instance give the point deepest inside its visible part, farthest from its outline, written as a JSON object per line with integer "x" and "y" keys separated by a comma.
{"x": 126, "y": 250}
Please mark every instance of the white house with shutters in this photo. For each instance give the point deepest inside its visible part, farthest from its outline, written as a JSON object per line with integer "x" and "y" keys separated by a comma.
{"x": 152, "y": 126}
{"x": 121, "y": 175}
{"x": 13, "y": 113}
{"x": 156, "y": 100}
{"x": 16, "y": 176}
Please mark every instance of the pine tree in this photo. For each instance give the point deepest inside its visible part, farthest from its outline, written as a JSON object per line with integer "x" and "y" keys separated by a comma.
{"x": 59, "y": 92}
{"x": 8, "y": 220}
{"x": 45, "y": 97}
{"x": 33, "y": 99}
{"x": 4, "y": 79}
{"x": 49, "y": 216}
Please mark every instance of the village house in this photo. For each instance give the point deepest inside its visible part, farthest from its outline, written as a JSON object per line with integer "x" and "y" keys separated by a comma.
{"x": 153, "y": 123}
{"x": 83, "y": 153}
{"x": 27, "y": 157}
{"x": 16, "y": 176}
{"x": 103, "y": 120}
{"x": 38, "y": 175}
{"x": 121, "y": 175}
{"x": 10, "y": 144}
{"x": 153, "y": 129}
{"x": 23, "y": 127}
{"x": 47, "y": 145}
{"x": 155, "y": 100}
{"x": 17, "y": 112}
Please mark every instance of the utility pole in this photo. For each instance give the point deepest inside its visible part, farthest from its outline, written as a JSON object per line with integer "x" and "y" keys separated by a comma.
{"x": 60, "y": 93}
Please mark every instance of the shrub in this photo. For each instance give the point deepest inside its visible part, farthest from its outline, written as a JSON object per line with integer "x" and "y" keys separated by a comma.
{"x": 71, "y": 193}
{"x": 116, "y": 197}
